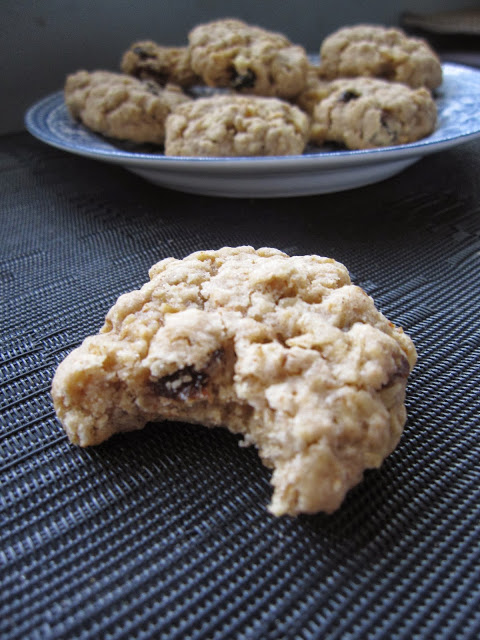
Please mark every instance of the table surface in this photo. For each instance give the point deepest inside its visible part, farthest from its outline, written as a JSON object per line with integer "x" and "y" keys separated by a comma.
{"x": 163, "y": 533}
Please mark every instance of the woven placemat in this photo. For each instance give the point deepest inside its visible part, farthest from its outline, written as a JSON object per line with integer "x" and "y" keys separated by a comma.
{"x": 163, "y": 533}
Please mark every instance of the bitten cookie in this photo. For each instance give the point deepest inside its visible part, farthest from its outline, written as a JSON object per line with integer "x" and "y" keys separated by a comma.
{"x": 230, "y": 53}
{"x": 283, "y": 350}
{"x": 377, "y": 51}
{"x": 232, "y": 125}
{"x": 120, "y": 106}
{"x": 362, "y": 113}
{"x": 149, "y": 61}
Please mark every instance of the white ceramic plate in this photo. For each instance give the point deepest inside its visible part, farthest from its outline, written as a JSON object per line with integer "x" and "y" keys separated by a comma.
{"x": 318, "y": 170}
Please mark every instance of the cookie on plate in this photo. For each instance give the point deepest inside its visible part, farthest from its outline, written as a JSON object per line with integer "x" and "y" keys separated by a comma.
{"x": 363, "y": 113}
{"x": 382, "y": 52}
{"x": 232, "y": 125}
{"x": 149, "y": 61}
{"x": 120, "y": 106}
{"x": 232, "y": 54}
{"x": 283, "y": 350}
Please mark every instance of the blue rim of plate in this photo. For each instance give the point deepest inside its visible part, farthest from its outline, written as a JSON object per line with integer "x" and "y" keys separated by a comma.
{"x": 458, "y": 104}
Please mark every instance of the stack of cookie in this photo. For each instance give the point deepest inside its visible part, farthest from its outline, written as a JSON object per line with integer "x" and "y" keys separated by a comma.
{"x": 372, "y": 88}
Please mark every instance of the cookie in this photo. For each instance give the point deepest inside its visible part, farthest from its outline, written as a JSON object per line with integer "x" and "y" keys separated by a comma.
{"x": 247, "y": 59}
{"x": 285, "y": 351}
{"x": 120, "y": 106}
{"x": 381, "y": 52}
{"x": 232, "y": 125}
{"x": 149, "y": 61}
{"x": 363, "y": 113}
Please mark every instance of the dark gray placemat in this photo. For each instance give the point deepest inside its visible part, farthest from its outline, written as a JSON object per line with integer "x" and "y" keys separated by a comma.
{"x": 163, "y": 533}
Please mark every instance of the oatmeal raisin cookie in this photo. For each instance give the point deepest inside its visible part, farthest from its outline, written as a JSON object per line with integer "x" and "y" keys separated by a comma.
{"x": 285, "y": 351}
{"x": 381, "y": 52}
{"x": 120, "y": 106}
{"x": 247, "y": 59}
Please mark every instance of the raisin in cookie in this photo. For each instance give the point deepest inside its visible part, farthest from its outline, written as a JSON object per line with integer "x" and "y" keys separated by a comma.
{"x": 247, "y": 59}
{"x": 377, "y": 51}
{"x": 235, "y": 125}
{"x": 362, "y": 113}
{"x": 120, "y": 106}
{"x": 149, "y": 61}
{"x": 283, "y": 350}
